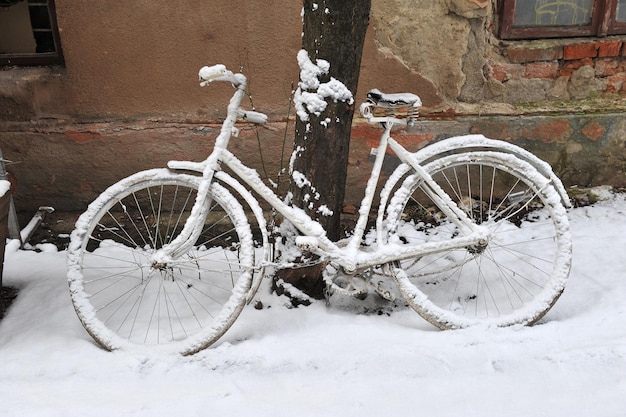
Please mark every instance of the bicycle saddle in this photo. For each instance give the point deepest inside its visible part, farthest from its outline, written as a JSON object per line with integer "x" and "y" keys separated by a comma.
{"x": 381, "y": 99}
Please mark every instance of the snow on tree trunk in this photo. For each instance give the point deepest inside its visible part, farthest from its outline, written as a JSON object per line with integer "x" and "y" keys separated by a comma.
{"x": 332, "y": 43}
{"x": 330, "y": 59}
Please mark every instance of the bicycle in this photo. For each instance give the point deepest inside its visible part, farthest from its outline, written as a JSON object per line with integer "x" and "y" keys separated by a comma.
{"x": 471, "y": 230}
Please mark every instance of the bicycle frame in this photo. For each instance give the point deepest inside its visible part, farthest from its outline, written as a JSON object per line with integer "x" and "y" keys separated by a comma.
{"x": 349, "y": 256}
{"x": 132, "y": 286}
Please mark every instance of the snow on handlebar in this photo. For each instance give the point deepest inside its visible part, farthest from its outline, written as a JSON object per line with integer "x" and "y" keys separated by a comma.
{"x": 220, "y": 73}
{"x": 210, "y": 73}
{"x": 254, "y": 117}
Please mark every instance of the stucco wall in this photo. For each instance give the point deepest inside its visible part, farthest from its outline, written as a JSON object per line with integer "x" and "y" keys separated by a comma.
{"x": 141, "y": 59}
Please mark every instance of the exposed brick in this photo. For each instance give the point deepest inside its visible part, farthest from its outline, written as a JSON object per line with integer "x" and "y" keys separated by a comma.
{"x": 606, "y": 49}
{"x": 616, "y": 83}
{"x": 542, "y": 70}
{"x": 520, "y": 55}
{"x": 550, "y": 131}
{"x": 593, "y": 131}
{"x": 580, "y": 50}
{"x": 412, "y": 141}
{"x": 371, "y": 136}
{"x": 570, "y": 66}
{"x": 82, "y": 137}
{"x": 608, "y": 66}
{"x": 499, "y": 73}
{"x": 504, "y": 72}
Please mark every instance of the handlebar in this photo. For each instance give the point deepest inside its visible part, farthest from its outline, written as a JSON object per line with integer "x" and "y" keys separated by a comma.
{"x": 211, "y": 73}
{"x": 253, "y": 117}
{"x": 219, "y": 72}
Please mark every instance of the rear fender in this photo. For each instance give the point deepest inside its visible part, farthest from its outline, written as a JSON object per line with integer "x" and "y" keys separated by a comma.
{"x": 459, "y": 144}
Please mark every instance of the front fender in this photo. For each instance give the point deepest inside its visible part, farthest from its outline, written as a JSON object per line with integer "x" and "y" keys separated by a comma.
{"x": 257, "y": 211}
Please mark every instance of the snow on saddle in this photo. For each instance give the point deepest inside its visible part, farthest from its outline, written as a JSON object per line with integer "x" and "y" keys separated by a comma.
{"x": 392, "y": 101}
{"x": 399, "y": 105}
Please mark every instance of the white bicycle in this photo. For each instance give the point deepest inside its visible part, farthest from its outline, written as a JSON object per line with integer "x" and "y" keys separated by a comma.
{"x": 472, "y": 231}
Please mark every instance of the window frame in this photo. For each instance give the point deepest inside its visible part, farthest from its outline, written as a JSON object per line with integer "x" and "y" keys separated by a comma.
{"x": 39, "y": 58}
{"x": 603, "y": 23}
{"x": 615, "y": 27}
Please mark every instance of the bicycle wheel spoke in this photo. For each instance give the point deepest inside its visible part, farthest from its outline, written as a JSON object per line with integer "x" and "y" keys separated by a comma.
{"x": 523, "y": 262}
{"x": 143, "y": 219}
{"x": 139, "y": 301}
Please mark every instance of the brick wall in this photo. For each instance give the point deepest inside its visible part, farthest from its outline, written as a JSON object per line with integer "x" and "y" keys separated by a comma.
{"x": 579, "y": 68}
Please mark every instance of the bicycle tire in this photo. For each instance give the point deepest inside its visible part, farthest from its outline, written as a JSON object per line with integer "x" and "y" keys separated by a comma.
{"x": 126, "y": 301}
{"x": 522, "y": 272}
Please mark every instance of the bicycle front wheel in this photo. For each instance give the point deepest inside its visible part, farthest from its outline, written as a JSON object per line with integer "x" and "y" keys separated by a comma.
{"x": 522, "y": 271}
{"x": 126, "y": 300}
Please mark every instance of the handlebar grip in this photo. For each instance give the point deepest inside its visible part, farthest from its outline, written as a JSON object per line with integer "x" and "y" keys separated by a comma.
{"x": 212, "y": 72}
{"x": 255, "y": 117}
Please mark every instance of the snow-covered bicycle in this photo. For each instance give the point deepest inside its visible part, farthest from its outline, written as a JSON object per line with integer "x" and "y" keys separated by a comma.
{"x": 472, "y": 231}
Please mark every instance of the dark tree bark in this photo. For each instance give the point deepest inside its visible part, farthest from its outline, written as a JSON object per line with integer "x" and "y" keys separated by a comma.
{"x": 334, "y": 31}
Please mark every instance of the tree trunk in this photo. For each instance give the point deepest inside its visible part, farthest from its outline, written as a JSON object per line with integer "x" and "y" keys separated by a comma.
{"x": 333, "y": 31}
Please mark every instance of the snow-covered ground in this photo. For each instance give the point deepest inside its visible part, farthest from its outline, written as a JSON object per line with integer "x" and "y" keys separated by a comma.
{"x": 319, "y": 361}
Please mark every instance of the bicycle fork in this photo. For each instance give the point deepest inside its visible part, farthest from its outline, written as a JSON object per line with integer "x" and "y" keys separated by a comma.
{"x": 190, "y": 233}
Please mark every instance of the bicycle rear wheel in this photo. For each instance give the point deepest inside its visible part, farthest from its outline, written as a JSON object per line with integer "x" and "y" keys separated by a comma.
{"x": 126, "y": 300}
{"x": 520, "y": 274}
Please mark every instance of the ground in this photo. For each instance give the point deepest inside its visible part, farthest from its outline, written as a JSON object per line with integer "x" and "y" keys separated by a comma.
{"x": 328, "y": 361}
{"x": 55, "y": 229}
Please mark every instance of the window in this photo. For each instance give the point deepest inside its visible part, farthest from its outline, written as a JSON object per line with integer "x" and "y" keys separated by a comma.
{"x": 531, "y": 19}
{"x": 28, "y": 33}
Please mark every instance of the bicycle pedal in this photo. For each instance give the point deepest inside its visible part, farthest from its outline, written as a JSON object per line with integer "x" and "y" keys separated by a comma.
{"x": 383, "y": 292}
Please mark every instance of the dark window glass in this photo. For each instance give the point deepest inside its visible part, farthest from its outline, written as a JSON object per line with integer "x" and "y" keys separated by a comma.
{"x": 621, "y": 11}
{"x": 28, "y": 33}
{"x": 533, "y": 19}
{"x": 552, "y": 13}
